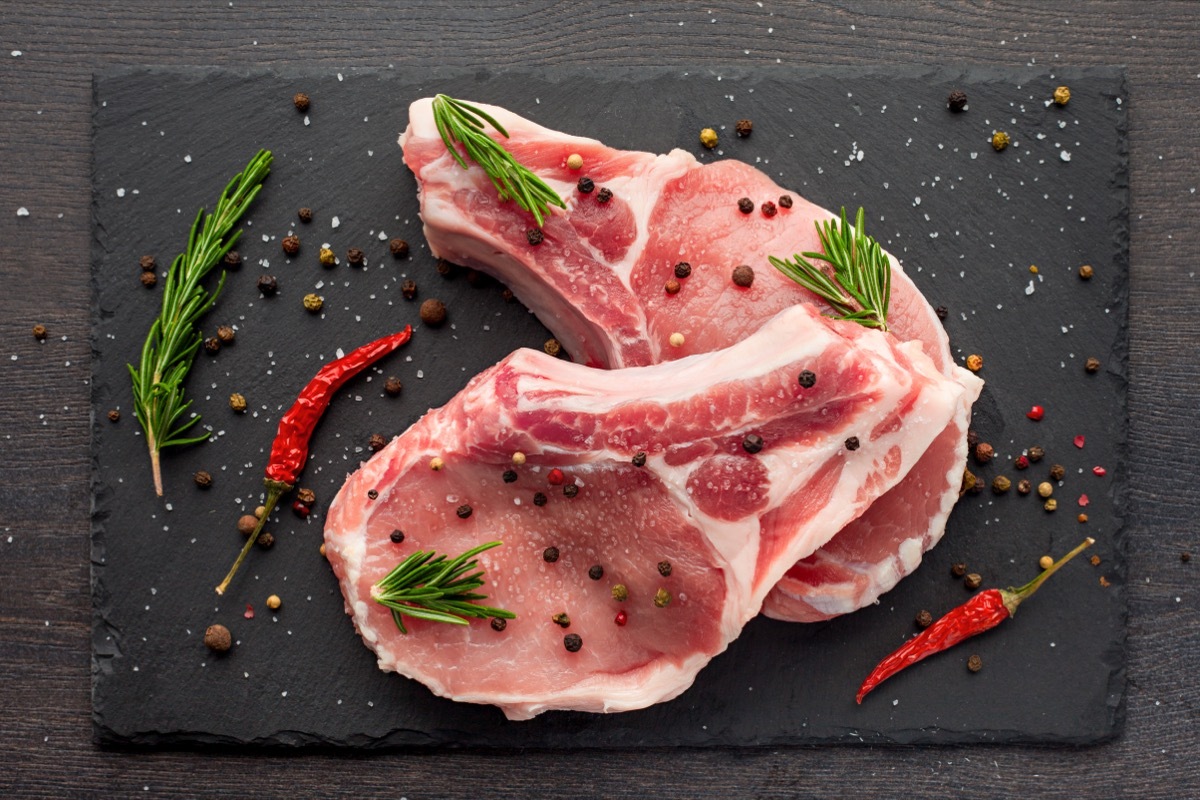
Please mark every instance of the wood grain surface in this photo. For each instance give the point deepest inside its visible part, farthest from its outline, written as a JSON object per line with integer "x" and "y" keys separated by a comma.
{"x": 46, "y": 747}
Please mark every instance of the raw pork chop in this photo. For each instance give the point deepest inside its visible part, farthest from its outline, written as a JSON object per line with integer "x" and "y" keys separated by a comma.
{"x": 597, "y": 281}
{"x": 728, "y": 521}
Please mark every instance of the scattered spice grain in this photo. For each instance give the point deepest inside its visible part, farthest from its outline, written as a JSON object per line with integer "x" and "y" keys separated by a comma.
{"x": 232, "y": 260}
{"x": 676, "y": 339}
{"x": 1086, "y": 272}
{"x": 620, "y": 593}
{"x": 436, "y": 464}
{"x": 356, "y": 257}
{"x": 301, "y": 101}
{"x": 768, "y": 209}
{"x": 807, "y": 379}
{"x": 785, "y": 201}
{"x": 852, "y": 443}
{"x": 464, "y": 511}
{"x": 745, "y": 205}
{"x": 984, "y": 452}
{"x": 313, "y": 303}
{"x": 237, "y": 402}
{"x": 752, "y": 443}
{"x": 1036, "y": 453}
{"x": 924, "y": 619}
{"x": 1050, "y": 505}
{"x": 958, "y": 569}
{"x": 326, "y": 257}
{"x": 433, "y": 312}
{"x": 561, "y": 619}
{"x": 999, "y": 141}
{"x": 974, "y": 362}
{"x": 518, "y": 458}
{"x": 1094, "y": 561}
{"x": 573, "y": 642}
{"x": 534, "y": 236}
{"x": 1024, "y": 486}
{"x": 595, "y": 572}
{"x": 974, "y": 663}
{"x": 570, "y": 490}
{"x": 743, "y": 275}
{"x": 273, "y": 602}
{"x": 539, "y": 499}
{"x": 114, "y": 415}
{"x": 306, "y": 496}
{"x": 246, "y": 524}
{"x": 1092, "y": 364}
{"x": 552, "y": 347}
{"x": 1045, "y": 489}
{"x": 1046, "y": 562}
{"x": 408, "y": 289}
{"x": 664, "y": 568}
{"x": 957, "y": 100}
{"x": 585, "y": 185}
{"x": 149, "y": 280}
{"x": 662, "y": 598}
{"x": 1001, "y": 484}
{"x": 639, "y": 459}
{"x": 973, "y": 581}
{"x": 39, "y": 332}
{"x": 376, "y": 442}
{"x": 217, "y": 638}
{"x": 1057, "y": 472}
{"x": 398, "y": 247}
{"x": 148, "y": 263}
{"x": 226, "y": 334}
{"x": 305, "y": 214}
{"x": 683, "y": 270}
{"x": 392, "y": 386}
{"x": 509, "y": 476}
{"x": 604, "y": 195}
{"x": 268, "y": 285}
{"x": 744, "y": 127}
{"x": 550, "y": 555}
{"x": 575, "y": 161}
{"x": 498, "y": 624}
{"x": 291, "y": 245}
{"x": 203, "y": 479}
{"x": 1062, "y": 96}
{"x": 708, "y": 138}
{"x": 671, "y": 286}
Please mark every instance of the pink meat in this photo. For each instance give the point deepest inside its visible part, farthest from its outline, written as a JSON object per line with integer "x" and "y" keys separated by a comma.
{"x": 729, "y": 522}
{"x": 597, "y": 282}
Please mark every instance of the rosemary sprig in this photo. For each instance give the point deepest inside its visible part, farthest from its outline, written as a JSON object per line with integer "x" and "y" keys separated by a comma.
{"x": 462, "y": 123}
{"x": 427, "y": 586}
{"x": 174, "y": 339}
{"x": 860, "y": 287}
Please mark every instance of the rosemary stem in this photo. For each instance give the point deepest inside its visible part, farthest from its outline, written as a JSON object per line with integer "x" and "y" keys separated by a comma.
{"x": 273, "y": 494}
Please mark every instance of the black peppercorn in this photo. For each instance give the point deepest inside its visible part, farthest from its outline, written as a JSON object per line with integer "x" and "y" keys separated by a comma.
{"x": 508, "y": 295}
{"x": 534, "y": 236}
{"x": 499, "y": 623}
{"x": 399, "y": 247}
{"x": 604, "y": 195}
{"x": 539, "y": 499}
{"x": 265, "y": 540}
{"x": 744, "y": 128}
{"x": 510, "y": 476}
{"x": 464, "y": 511}
{"x": 572, "y": 641}
{"x": 639, "y": 459}
{"x": 291, "y": 245}
{"x": 683, "y": 270}
{"x": 393, "y": 386}
{"x": 268, "y": 285}
{"x": 595, "y": 572}
{"x": 942, "y": 312}
{"x": 149, "y": 279}
{"x": 570, "y": 490}
{"x": 114, "y": 416}
{"x": 300, "y": 101}
{"x": 226, "y": 334}
{"x": 356, "y": 257}
{"x": 551, "y": 347}
{"x": 203, "y": 479}
{"x": 232, "y": 260}
{"x": 1185, "y": 557}
{"x": 212, "y": 345}
{"x": 397, "y": 536}
{"x": 743, "y": 275}
{"x": 745, "y": 205}
{"x": 446, "y": 269}
{"x": 376, "y": 442}
{"x": 785, "y": 201}
{"x": 973, "y": 581}
{"x": 585, "y": 185}
{"x": 752, "y": 443}
{"x": 852, "y": 443}
{"x": 305, "y": 214}
{"x": 924, "y": 619}
{"x": 550, "y": 555}
{"x": 957, "y": 100}
{"x": 217, "y": 638}
{"x": 768, "y": 209}
{"x": 972, "y": 438}
{"x": 306, "y": 496}
{"x": 1092, "y": 365}
{"x": 408, "y": 289}
{"x": 1024, "y": 486}
{"x": 958, "y": 569}
{"x": 1036, "y": 453}
{"x": 808, "y": 379}
{"x": 372, "y": 494}
{"x": 974, "y": 663}
{"x": 664, "y": 568}
{"x": 147, "y": 263}
{"x": 1057, "y": 472}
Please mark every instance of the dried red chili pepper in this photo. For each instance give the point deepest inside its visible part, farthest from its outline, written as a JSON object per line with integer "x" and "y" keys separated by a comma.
{"x": 982, "y": 612}
{"x": 290, "y": 449}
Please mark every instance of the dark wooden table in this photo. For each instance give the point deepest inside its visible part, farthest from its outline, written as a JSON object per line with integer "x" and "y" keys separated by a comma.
{"x": 46, "y": 748}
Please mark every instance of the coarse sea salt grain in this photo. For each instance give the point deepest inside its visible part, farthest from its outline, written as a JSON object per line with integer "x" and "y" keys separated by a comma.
{"x": 22, "y": 212}
{"x": 1065, "y": 155}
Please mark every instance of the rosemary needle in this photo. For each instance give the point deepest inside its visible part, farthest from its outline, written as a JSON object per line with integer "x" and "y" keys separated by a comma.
{"x": 860, "y": 286}
{"x": 173, "y": 340}
{"x": 427, "y": 586}
{"x": 462, "y": 123}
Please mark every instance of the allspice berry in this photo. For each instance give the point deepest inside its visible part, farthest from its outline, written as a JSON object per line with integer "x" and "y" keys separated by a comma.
{"x": 743, "y": 275}
{"x": 218, "y": 639}
{"x": 984, "y": 452}
{"x": 291, "y": 245}
{"x": 246, "y": 524}
{"x": 393, "y": 386}
{"x": 399, "y": 248}
{"x": 147, "y": 263}
{"x": 433, "y": 312}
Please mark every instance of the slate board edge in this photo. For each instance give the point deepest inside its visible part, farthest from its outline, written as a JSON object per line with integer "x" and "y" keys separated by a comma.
{"x": 404, "y": 739}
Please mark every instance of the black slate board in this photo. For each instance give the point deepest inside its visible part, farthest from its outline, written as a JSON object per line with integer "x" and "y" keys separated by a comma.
{"x": 167, "y": 141}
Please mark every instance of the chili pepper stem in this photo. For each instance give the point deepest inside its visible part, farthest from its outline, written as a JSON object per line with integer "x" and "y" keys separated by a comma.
{"x": 1014, "y": 597}
{"x": 275, "y": 490}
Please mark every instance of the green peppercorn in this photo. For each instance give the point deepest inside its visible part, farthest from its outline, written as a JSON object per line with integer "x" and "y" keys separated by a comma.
{"x": 620, "y": 593}
{"x": 561, "y": 620}
{"x": 1000, "y": 140}
{"x": 1001, "y": 484}
{"x": 313, "y": 303}
{"x": 595, "y": 572}
{"x": 662, "y": 598}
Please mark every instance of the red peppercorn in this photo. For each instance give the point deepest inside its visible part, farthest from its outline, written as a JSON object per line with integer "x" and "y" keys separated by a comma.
{"x": 555, "y": 477}
{"x": 1079, "y": 441}
{"x": 302, "y": 511}
{"x": 1099, "y": 471}
{"x": 1083, "y": 500}
{"x": 768, "y": 209}
{"x": 1022, "y": 462}
{"x": 1036, "y": 413}
{"x": 622, "y": 618}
